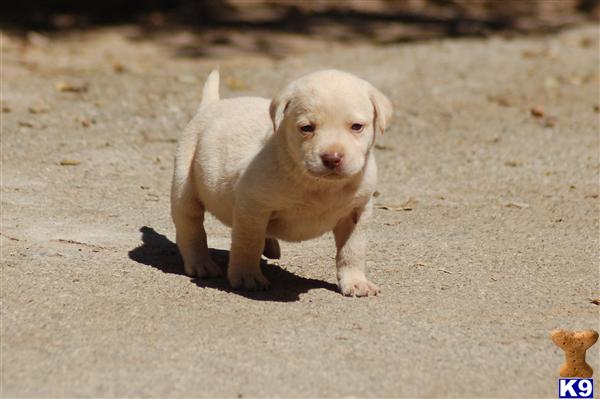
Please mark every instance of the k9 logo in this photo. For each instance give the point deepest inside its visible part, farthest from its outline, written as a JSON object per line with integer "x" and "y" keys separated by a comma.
{"x": 575, "y": 388}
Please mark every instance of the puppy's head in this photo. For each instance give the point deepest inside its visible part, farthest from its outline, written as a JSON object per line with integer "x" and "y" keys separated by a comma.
{"x": 330, "y": 119}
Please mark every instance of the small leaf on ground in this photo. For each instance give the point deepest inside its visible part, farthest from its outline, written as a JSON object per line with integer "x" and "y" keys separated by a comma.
{"x": 85, "y": 122}
{"x": 235, "y": 83}
{"x": 537, "y": 111}
{"x": 39, "y": 107}
{"x": 69, "y": 162}
{"x": 118, "y": 67}
{"x": 71, "y": 87}
{"x": 500, "y": 100}
{"x": 152, "y": 197}
{"x": 517, "y": 205}
{"x": 513, "y": 163}
{"x": 406, "y": 206}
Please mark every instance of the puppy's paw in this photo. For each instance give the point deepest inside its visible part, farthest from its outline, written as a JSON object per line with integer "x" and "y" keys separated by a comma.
{"x": 362, "y": 287}
{"x": 254, "y": 281}
{"x": 272, "y": 250}
{"x": 204, "y": 269}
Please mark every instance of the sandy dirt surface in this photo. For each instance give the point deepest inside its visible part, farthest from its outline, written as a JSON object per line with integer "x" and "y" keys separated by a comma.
{"x": 499, "y": 247}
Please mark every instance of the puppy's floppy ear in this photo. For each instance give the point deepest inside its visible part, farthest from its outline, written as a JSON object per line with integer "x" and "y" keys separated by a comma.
{"x": 382, "y": 107}
{"x": 278, "y": 107}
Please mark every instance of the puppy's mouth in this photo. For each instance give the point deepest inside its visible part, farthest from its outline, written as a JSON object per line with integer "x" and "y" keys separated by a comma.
{"x": 328, "y": 174}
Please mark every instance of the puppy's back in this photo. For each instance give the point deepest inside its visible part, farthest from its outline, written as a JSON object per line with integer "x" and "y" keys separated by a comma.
{"x": 217, "y": 145}
{"x": 234, "y": 128}
{"x": 226, "y": 136}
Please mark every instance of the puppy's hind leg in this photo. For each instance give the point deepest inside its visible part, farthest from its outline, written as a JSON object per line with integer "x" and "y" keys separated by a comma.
{"x": 272, "y": 250}
{"x": 247, "y": 243}
{"x": 191, "y": 239}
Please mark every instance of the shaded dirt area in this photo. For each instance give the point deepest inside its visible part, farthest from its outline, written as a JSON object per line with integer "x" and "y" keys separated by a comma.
{"x": 484, "y": 239}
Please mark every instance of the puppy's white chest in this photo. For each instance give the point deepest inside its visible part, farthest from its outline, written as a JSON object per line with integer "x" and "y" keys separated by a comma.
{"x": 309, "y": 219}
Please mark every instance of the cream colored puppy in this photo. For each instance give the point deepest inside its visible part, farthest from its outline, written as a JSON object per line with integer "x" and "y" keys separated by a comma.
{"x": 291, "y": 168}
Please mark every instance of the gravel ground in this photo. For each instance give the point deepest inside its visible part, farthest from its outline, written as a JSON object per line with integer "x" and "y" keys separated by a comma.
{"x": 494, "y": 147}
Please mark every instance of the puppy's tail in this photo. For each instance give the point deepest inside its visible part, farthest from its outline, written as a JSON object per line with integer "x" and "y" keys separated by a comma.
{"x": 210, "y": 92}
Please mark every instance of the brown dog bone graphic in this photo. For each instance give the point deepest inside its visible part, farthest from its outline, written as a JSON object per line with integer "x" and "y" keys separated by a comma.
{"x": 575, "y": 343}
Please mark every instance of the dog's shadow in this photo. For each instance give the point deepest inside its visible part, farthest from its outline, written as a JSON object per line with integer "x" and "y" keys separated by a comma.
{"x": 159, "y": 252}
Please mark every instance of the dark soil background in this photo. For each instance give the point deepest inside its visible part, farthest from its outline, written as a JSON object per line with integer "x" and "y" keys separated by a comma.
{"x": 417, "y": 18}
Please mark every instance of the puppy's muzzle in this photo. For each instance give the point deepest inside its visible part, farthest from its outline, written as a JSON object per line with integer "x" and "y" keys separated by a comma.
{"x": 332, "y": 160}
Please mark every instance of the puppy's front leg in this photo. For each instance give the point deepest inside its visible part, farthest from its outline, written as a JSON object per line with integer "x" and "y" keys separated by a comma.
{"x": 350, "y": 260}
{"x": 247, "y": 242}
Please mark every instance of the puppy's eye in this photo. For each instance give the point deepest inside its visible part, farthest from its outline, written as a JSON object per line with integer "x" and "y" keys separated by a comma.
{"x": 308, "y": 128}
{"x": 357, "y": 127}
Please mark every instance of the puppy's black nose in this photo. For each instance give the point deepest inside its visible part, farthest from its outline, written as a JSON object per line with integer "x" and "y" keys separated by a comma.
{"x": 332, "y": 160}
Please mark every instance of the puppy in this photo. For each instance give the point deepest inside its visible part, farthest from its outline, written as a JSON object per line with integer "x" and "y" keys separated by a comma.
{"x": 291, "y": 168}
